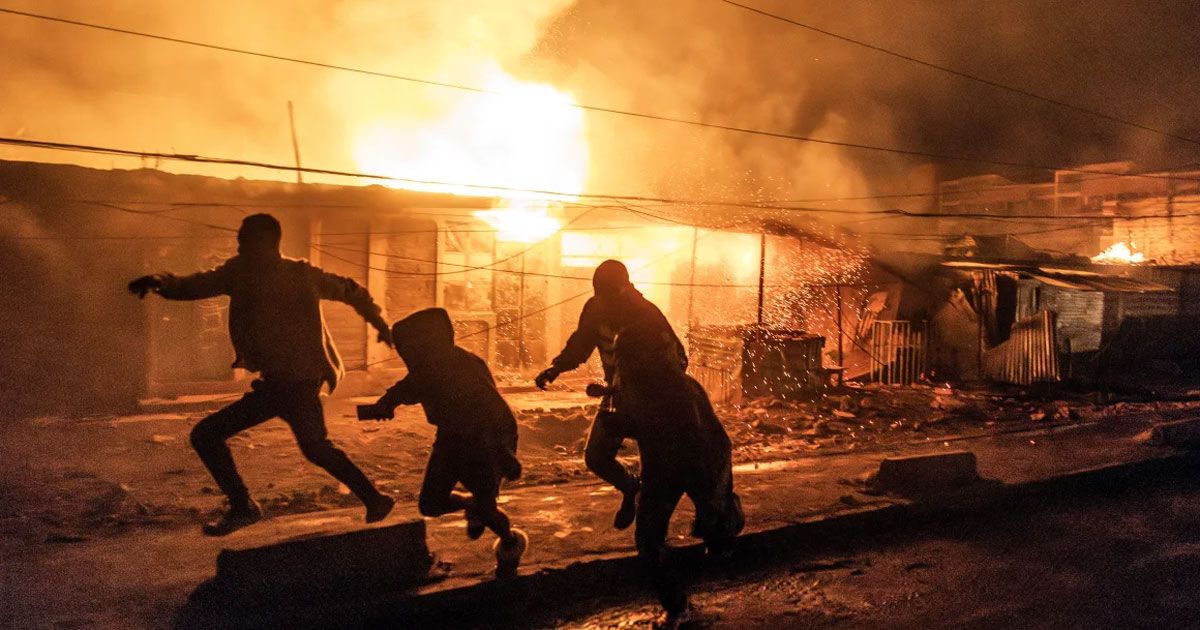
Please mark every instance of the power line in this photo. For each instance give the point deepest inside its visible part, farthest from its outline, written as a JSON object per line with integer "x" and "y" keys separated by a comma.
{"x": 753, "y": 205}
{"x": 961, "y": 74}
{"x": 483, "y": 91}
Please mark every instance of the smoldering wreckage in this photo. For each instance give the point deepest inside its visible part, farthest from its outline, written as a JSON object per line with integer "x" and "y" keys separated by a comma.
{"x": 808, "y": 344}
{"x": 822, "y": 348}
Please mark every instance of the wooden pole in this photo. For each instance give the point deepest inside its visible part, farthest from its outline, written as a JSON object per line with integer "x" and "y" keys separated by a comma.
{"x": 295, "y": 143}
{"x": 521, "y": 316}
{"x": 762, "y": 274}
{"x": 692, "y": 282}
{"x": 841, "y": 356}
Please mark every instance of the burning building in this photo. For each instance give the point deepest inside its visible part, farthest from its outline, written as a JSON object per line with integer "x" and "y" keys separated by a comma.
{"x": 513, "y": 274}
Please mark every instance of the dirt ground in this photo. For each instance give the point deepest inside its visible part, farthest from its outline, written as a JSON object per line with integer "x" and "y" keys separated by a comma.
{"x": 1124, "y": 560}
{"x": 64, "y": 479}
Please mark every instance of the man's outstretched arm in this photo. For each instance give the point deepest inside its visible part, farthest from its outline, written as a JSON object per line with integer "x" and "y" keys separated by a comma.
{"x": 345, "y": 290}
{"x": 579, "y": 347}
{"x": 404, "y": 392}
{"x": 196, "y": 286}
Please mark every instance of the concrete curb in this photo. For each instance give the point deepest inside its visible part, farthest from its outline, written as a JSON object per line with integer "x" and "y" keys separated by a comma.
{"x": 529, "y": 600}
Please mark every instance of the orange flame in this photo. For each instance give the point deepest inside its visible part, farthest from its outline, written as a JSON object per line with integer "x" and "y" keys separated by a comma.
{"x": 1120, "y": 253}
{"x": 526, "y": 145}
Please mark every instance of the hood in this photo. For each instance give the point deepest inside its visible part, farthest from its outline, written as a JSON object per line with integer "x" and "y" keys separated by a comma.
{"x": 423, "y": 335}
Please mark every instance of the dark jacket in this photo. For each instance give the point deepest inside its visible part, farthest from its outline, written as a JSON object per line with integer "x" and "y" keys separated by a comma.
{"x": 596, "y": 333}
{"x": 455, "y": 388}
{"x": 275, "y": 318}
{"x": 681, "y": 440}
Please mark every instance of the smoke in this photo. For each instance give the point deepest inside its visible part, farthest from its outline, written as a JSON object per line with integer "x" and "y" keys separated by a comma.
{"x": 71, "y": 84}
{"x": 694, "y": 59}
{"x": 713, "y": 62}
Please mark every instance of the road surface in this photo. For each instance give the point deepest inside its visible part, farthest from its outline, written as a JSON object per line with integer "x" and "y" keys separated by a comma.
{"x": 1117, "y": 559}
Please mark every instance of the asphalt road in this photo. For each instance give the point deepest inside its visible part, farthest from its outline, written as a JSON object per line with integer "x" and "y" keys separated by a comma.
{"x": 1127, "y": 558}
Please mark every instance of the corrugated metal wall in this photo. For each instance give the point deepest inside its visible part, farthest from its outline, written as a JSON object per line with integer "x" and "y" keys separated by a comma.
{"x": 1029, "y": 356}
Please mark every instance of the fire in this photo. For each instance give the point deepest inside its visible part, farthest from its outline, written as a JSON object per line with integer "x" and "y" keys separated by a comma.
{"x": 521, "y": 222}
{"x": 1120, "y": 253}
{"x": 520, "y": 144}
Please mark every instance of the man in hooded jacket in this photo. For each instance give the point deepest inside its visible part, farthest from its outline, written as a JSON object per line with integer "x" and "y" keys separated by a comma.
{"x": 615, "y": 300}
{"x": 476, "y": 441}
{"x": 278, "y": 330}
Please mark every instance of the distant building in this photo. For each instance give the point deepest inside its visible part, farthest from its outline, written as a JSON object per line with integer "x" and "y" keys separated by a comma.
{"x": 1085, "y": 213}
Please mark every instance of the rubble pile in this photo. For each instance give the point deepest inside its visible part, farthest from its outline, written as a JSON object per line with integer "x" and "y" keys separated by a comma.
{"x": 861, "y": 415}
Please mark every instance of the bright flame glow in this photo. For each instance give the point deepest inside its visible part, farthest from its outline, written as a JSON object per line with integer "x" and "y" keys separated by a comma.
{"x": 526, "y": 144}
{"x": 521, "y": 222}
{"x": 1120, "y": 253}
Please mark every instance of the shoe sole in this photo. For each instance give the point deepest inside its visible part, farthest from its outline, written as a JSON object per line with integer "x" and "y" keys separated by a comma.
{"x": 508, "y": 563}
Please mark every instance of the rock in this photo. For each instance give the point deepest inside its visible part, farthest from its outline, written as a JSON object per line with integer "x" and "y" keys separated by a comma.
{"x": 1181, "y": 433}
{"x": 922, "y": 473}
{"x": 371, "y": 560}
{"x": 843, "y": 414}
{"x": 159, "y": 438}
{"x": 1038, "y": 416}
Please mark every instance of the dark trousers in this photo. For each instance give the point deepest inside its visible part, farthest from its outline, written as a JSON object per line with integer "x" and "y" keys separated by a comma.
{"x": 719, "y": 516}
{"x": 600, "y": 453}
{"x": 299, "y": 405}
{"x": 655, "y": 504}
{"x": 455, "y": 460}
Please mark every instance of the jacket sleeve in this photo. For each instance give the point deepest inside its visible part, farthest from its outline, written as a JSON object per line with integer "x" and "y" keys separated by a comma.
{"x": 680, "y": 349}
{"x": 582, "y": 342}
{"x": 406, "y": 391}
{"x": 197, "y": 286}
{"x": 345, "y": 290}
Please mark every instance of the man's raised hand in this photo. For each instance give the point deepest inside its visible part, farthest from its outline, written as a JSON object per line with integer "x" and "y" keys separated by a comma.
{"x": 145, "y": 284}
{"x": 546, "y": 377}
{"x": 385, "y": 337}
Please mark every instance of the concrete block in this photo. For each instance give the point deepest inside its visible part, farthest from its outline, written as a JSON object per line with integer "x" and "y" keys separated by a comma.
{"x": 1181, "y": 433}
{"x": 376, "y": 559}
{"x": 924, "y": 473}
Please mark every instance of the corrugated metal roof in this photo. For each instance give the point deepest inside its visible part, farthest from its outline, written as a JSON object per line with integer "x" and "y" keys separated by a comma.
{"x": 1066, "y": 278}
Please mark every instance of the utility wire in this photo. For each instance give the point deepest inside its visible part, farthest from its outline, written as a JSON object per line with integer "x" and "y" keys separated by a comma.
{"x": 483, "y": 91}
{"x": 961, "y": 74}
{"x": 553, "y": 194}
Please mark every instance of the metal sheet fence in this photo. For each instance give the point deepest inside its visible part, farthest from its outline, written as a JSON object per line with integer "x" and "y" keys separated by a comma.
{"x": 898, "y": 351}
{"x": 1030, "y": 355}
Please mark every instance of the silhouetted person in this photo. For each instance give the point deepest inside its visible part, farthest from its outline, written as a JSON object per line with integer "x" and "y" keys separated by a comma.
{"x": 684, "y": 450}
{"x": 476, "y": 442}
{"x": 615, "y": 298}
{"x": 278, "y": 330}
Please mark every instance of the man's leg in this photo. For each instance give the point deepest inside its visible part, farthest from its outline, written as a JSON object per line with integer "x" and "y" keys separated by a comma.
{"x": 511, "y": 542}
{"x": 600, "y": 455}
{"x": 208, "y": 438}
{"x": 209, "y": 435}
{"x": 437, "y": 488}
{"x": 302, "y": 411}
{"x": 653, "y": 518}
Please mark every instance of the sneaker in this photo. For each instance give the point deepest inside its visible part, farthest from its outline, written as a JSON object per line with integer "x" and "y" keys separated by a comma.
{"x": 627, "y": 512}
{"x": 379, "y": 507}
{"x": 508, "y": 554}
{"x": 233, "y": 520}
{"x": 674, "y": 621}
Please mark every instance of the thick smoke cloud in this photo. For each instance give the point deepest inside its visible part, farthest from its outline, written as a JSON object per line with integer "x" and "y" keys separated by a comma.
{"x": 721, "y": 64}
{"x": 697, "y": 59}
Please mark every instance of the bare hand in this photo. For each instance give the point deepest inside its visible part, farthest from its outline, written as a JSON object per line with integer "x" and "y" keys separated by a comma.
{"x": 145, "y": 284}
{"x": 597, "y": 390}
{"x": 546, "y": 377}
{"x": 376, "y": 411}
